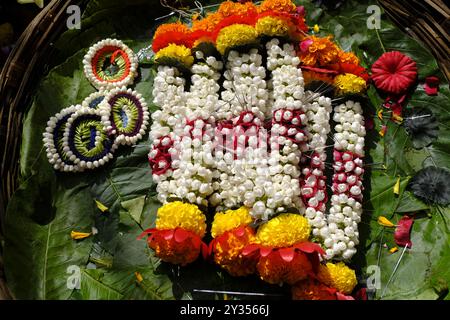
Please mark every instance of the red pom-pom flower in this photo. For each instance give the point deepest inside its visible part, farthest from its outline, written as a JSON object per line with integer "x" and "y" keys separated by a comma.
{"x": 394, "y": 72}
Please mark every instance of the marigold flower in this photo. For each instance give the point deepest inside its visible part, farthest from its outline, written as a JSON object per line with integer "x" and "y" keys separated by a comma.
{"x": 349, "y": 84}
{"x": 171, "y": 33}
{"x": 272, "y": 26}
{"x": 276, "y": 270}
{"x": 180, "y": 53}
{"x": 230, "y": 8}
{"x": 176, "y": 246}
{"x": 337, "y": 276}
{"x": 181, "y": 215}
{"x": 229, "y": 220}
{"x": 227, "y": 249}
{"x": 348, "y": 57}
{"x": 278, "y": 5}
{"x": 312, "y": 290}
{"x": 394, "y": 72}
{"x": 235, "y": 35}
{"x": 284, "y": 230}
{"x": 320, "y": 52}
{"x": 208, "y": 23}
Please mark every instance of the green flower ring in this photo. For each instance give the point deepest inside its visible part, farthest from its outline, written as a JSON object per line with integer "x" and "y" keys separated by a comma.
{"x": 94, "y": 99}
{"x": 110, "y": 64}
{"x": 85, "y": 141}
{"x": 125, "y": 115}
{"x": 53, "y": 140}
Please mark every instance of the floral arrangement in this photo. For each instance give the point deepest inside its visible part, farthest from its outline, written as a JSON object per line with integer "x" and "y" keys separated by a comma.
{"x": 242, "y": 131}
{"x": 85, "y": 136}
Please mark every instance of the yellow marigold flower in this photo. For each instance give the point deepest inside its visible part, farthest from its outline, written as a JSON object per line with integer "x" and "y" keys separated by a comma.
{"x": 272, "y": 26}
{"x": 284, "y": 231}
{"x": 278, "y": 5}
{"x": 235, "y": 35}
{"x": 349, "y": 84}
{"x": 316, "y": 28}
{"x": 208, "y": 23}
{"x": 181, "y": 215}
{"x": 230, "y": 8}
{"x": 178, "y": 52}
{"x": 230, "y": 219}
{"x": 320, "y": 52}
{"x": 177, "y": 26}
{"x": 338, "y": 276}
{"x": 348, "y": 57}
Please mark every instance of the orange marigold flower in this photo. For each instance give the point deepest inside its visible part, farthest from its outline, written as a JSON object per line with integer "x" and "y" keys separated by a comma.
{"x": 319, "y": 51}
{"x": 227, "y": 250}
{"x": 310, "y": 76}
{"x": 278, "y": 5}
{"x": 172, "y": 27}
{"x": 274, "y": 269}
{"x": 230, "y": 8}
{"x": 177, "y": 246}
{"x": 312, "y": 290}
{"x": 348, "y": 57}
{"x": 208, "y": 23}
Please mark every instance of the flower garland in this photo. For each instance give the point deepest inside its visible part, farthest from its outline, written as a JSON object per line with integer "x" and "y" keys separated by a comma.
{"x": 240, "y": 146}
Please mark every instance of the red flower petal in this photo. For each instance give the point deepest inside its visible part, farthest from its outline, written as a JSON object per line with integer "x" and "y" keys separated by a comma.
{"x": 287, "y": 254}
{"x": 310, "y": 247}
{"x": 304, "y": 45}
{"x": 431, "y": 85}
{"x": 341, "y": 296}
{"x": 361, "y": 294}
{"x": 251, "y": 248}
{"x": 265, "y": 251}
{"x": 181, "y": 235}
{"x": 146, "y": 232}
{"x": 394, "y": 72}
{"x": 402, "y": 232}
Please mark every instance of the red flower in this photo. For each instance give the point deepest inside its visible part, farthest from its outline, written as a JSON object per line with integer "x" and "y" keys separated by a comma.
{"x": 312, "y": 290}
{"x": 176, "y": 246}
{"x": 431, "y": 85}
{"x": 394, "y": 72}
{"x": 402, "y": 233}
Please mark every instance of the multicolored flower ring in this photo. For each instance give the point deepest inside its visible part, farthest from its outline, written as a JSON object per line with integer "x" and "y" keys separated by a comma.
{"x": 53, "y": 140}
{"x": 86, "y": 142}
{"x": 110, "y": 64}
{"x": 125, "y": 115}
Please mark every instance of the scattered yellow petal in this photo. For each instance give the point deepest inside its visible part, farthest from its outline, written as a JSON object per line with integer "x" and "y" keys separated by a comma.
{"x": 393, "y": 250}
{"x": 382, "y": 131}
{"x": 316, "y": 28}
{"x": 397, "y": 187}
{"x": 138, "y": 277}
{"x": 101, "y": 206}
{"x": 225, "y": 296}
{"x": 385, "y": 222}
{"x": 397, "y": 119}
{"x": 380, "y": 114}
{"x": 79, "y": 235}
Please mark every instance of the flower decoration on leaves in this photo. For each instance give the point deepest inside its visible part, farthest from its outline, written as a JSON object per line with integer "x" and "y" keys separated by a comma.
{"x": 175, "y": 55}
{"x": 125, "y": 115}
{"x": 315, "y": 51}
{"x": 431, "y": 85}
{"x": 394, "y": 73}
{"x": 422, "y": 126}
{"x": 431, "y": 185}
{"x": 178, "y": 233}
{"x": 109, "y": 64}
{"x": 171, "y": 34}
{"x": 349, "y": 84}
{"x": 235, "y": 35}
{"x": 85, "y": 140}
{"x": 402, "y": 234}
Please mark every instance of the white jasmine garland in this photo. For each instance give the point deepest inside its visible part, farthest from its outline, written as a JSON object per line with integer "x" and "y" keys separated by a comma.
{"x": 94, "y": 99}
{"x": 244, "y": 86}
{"x": 341, "y": 235}
{"x": 103, "y": 50}
{"x": 314, "y": 189}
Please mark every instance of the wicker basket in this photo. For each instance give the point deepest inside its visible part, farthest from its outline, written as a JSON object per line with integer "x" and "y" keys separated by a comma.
{"x": 428, "y": 21}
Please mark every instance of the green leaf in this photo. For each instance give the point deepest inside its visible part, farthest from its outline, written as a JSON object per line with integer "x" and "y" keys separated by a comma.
{"x": 134, "y": 208}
